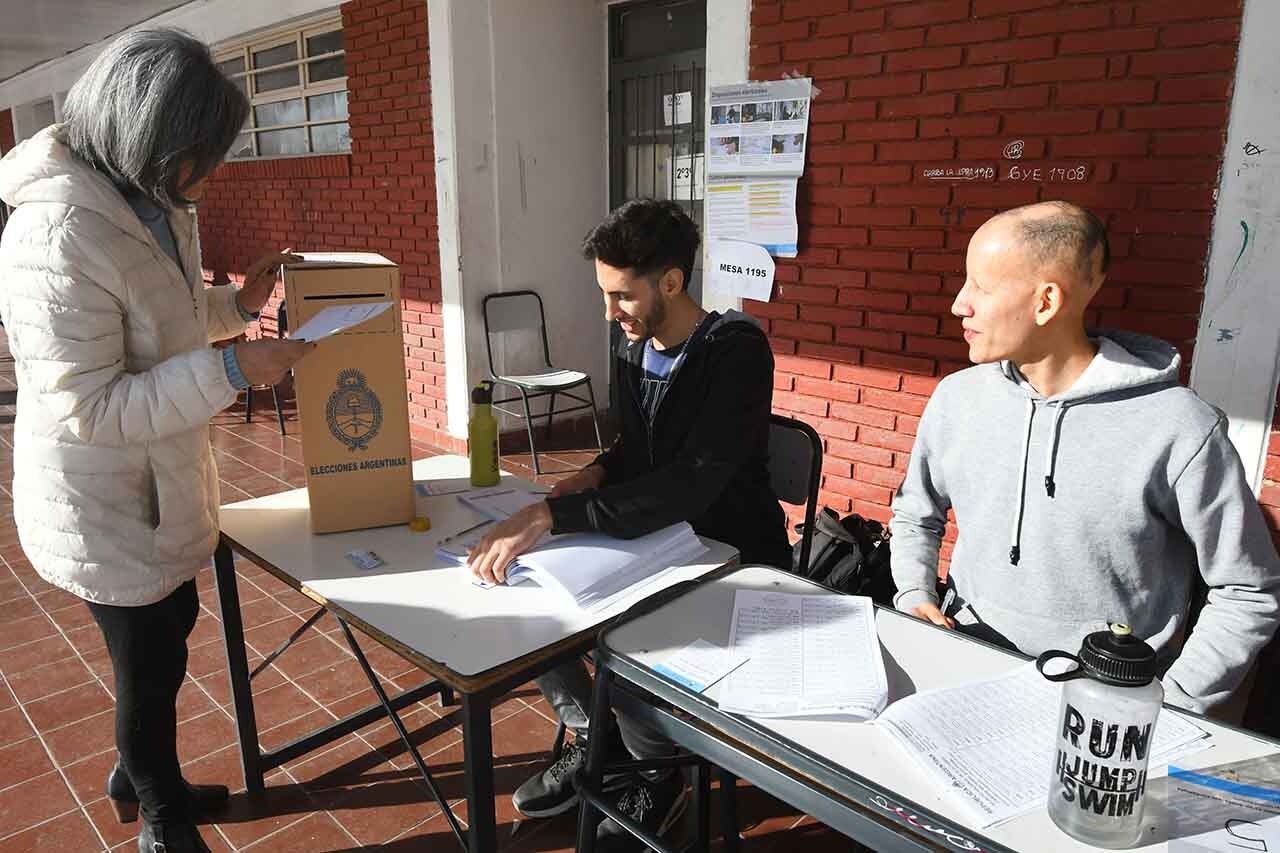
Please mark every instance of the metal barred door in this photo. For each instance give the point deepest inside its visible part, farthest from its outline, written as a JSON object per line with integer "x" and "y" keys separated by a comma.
{"x": 657, "y": 87}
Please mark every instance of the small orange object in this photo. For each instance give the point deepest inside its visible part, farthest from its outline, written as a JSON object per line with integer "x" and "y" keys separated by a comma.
{"x": 421, "y": 524}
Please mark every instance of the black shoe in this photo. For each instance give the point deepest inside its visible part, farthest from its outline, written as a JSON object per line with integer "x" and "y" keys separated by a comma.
{"x": 124, "y": 799}
{"x": 654, "y": 806}
{"x": 552, "y": 792}
{"x": 171, "y": 838}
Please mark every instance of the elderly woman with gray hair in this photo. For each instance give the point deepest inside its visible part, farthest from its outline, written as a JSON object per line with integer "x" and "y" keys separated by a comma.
{"x": 110, "y": 324}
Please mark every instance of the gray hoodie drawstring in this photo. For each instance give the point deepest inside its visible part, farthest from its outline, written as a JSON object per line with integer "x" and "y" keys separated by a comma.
{"x": 1014, "y": 544}
{"x": 1051, "y": 452}
{"x": 1050, "y": 465}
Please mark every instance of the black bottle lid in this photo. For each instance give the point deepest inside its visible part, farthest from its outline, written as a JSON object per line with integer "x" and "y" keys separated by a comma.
{"x": 1116, "y": 656}
{"x": 483, "y": 392}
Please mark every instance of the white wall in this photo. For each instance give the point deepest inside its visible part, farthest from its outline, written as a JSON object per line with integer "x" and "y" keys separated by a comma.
{"x": 552, "y": 189}
{"x": 516, "y": 95}
{"x": 1238, "y": 344}
{"x": 211, "y": 21}
{"x": 728, "y": 46}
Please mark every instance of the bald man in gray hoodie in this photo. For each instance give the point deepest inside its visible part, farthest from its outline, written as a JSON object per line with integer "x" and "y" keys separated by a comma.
{"x": 1088, "y": 485}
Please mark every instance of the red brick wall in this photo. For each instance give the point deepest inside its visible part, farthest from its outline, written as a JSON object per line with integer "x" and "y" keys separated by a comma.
{"x": 1270, "y": 496}
{"x": 380, "y": 198}
{"x": 1135, "y": 92}
{"x": 6, "y": 130}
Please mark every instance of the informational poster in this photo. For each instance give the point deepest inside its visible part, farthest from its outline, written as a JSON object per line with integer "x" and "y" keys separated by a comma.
{"x": 741, "y": 269}
{"x": 758, "y": 210}
{"x": 759, "y": 128}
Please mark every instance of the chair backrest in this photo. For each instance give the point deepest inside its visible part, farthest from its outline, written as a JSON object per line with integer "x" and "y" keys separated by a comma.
{"x": 795, "y": 470}
{"x": 514, "y": 311}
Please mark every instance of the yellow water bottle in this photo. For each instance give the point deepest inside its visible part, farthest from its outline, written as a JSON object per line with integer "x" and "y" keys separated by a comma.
{"x": 482, "y": 436}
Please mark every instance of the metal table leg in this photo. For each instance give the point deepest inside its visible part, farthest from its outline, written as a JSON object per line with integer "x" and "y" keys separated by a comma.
{"x": 729, "y": 811}
{"x": 404, "y": 736}
{"x": 224, "y": 569}
{"x": 477, "y": 750}
{"x": 591, "y": 778}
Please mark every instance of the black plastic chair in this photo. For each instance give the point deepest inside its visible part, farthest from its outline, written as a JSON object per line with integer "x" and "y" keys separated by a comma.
{"x": 795, "y": 471}
{"x": 282, "y": 326}
{"x": 521, "y": 310}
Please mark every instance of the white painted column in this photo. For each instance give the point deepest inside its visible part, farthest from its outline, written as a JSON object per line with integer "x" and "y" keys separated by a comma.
{"x": 517, "y": 120}
{"x": 728, "y": 47}
{"x": 1238, "y": 343}
{"x": 462, "y": 115}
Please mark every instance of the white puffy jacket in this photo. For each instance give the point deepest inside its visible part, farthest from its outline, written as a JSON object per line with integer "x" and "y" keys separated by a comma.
{"x": 114, "y": 485}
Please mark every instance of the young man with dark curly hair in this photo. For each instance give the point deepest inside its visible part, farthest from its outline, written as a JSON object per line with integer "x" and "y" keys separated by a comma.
{"x": 692, "y": 391}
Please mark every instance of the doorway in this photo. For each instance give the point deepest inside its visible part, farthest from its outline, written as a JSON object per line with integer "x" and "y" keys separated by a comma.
{"x": 657, "y": 83}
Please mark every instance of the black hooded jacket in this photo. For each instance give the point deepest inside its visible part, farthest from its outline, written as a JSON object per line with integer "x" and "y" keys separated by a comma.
{"x": 704, "y": 457}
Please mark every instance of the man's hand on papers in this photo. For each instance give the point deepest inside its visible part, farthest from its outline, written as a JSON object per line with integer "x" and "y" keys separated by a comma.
{"x": 929, "y": 612}
{"x": 591, "y": 477}
{"x": 507, "y": 540}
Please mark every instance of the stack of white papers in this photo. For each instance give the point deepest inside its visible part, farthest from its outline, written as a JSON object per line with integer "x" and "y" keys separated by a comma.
{"x": 807, "y": 655}
{"x": 593, "y": 570}
{"x": 589, "y": 570}
{"x": 991, "y": 743}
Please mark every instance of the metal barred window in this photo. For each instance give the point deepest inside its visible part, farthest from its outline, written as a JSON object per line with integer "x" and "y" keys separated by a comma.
{"x": 296, "y": 82}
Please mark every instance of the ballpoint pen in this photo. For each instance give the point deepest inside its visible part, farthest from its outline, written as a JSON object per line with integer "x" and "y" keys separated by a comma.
{"x": 464, "y": 532}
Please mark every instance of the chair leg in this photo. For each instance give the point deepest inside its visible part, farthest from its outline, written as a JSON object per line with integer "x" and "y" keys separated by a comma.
{"x": 595, "y": 416}
{"x": 528, "y": 425}
{"x": 275, "y": 396}
{"x": 550, "y": 413}
{"x": 248, "y": 404}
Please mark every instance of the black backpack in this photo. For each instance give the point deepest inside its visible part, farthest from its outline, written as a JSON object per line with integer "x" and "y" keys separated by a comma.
{"x": 850, "y": 555}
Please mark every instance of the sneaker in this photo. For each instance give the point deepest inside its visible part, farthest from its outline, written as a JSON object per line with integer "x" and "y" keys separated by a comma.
{"x": 551, "y": 792}
{"x": 654, "y": 806}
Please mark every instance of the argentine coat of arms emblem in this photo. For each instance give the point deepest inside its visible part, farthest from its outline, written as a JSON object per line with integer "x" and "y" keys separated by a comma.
{"x": 354, "y": 412}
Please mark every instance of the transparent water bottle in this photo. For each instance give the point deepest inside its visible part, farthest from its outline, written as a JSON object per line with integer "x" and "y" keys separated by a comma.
{"x": 1105, "y": 732}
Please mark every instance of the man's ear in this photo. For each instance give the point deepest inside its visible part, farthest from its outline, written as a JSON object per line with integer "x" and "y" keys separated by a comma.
{"x": 672, "y": 282}
{"x": 1050, "y": 298}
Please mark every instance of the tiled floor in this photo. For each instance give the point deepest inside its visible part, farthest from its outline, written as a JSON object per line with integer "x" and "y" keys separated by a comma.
{"x": 360, "y": 793}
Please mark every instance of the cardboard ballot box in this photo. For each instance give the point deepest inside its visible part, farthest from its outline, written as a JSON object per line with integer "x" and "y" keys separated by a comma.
{"x": 352, "y": 399}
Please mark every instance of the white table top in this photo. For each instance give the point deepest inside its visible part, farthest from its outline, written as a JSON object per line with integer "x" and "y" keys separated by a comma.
{"x": 416, "y": 600}
{"x": 917, "y": 657}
